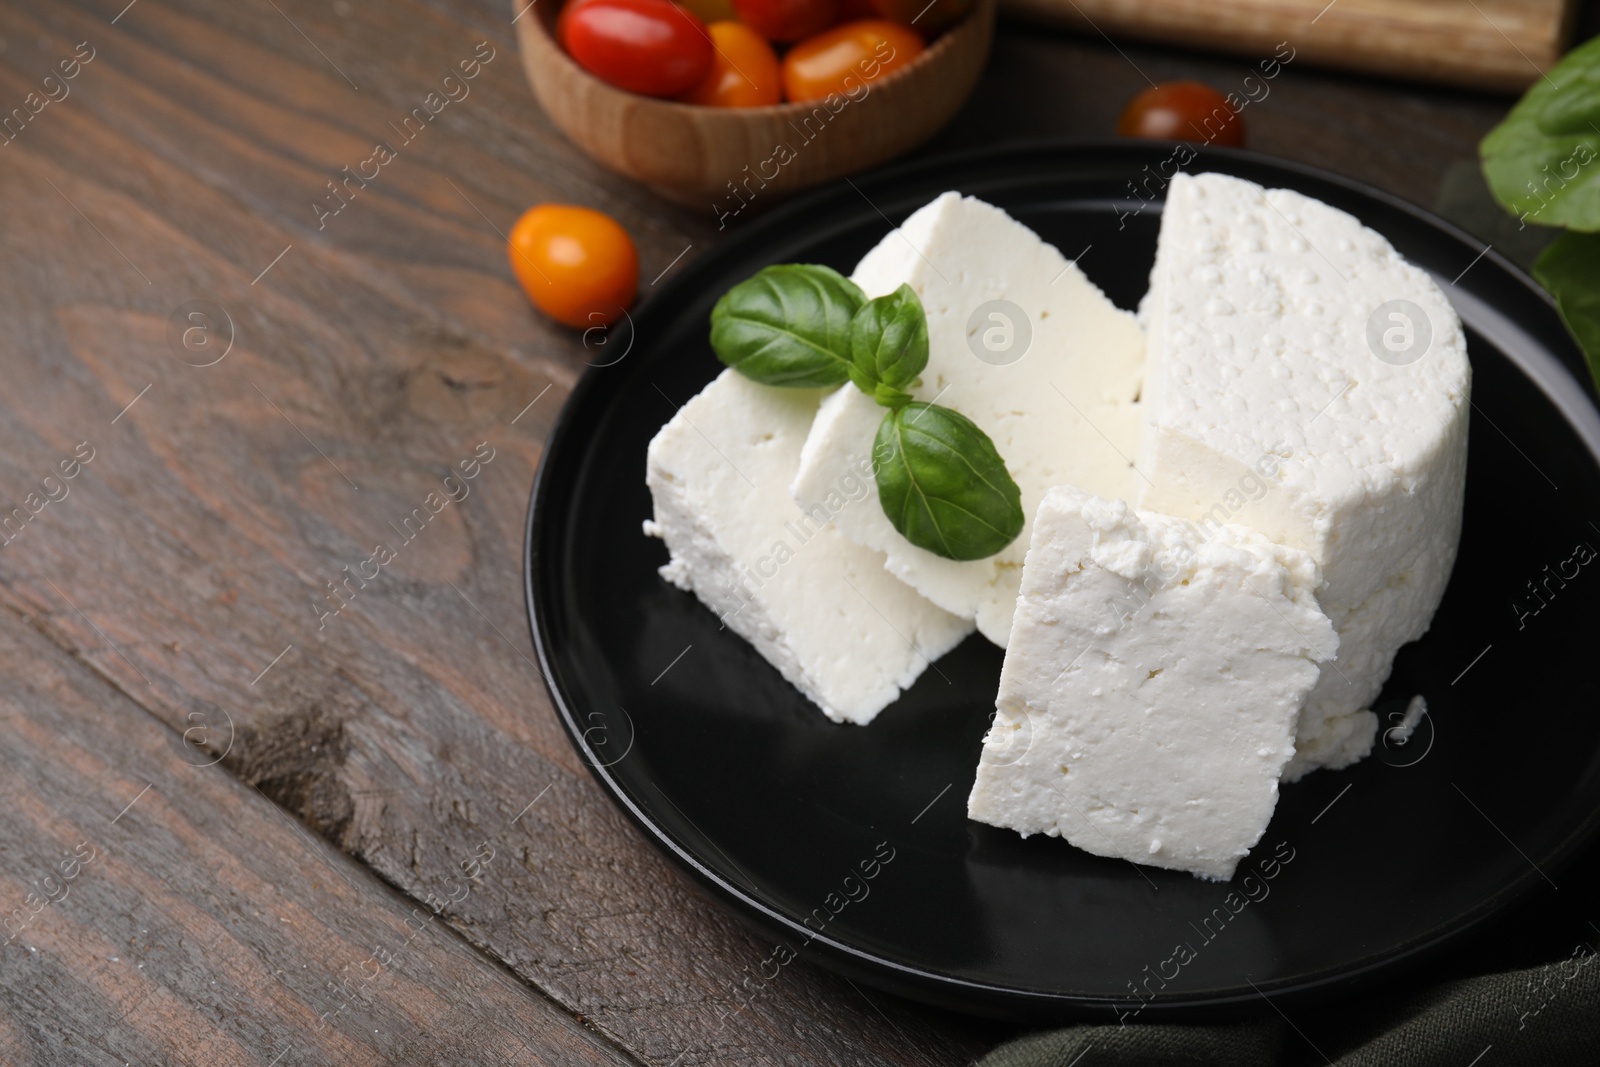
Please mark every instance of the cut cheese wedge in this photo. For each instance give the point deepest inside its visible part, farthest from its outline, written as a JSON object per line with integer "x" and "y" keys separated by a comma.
{"x": 1285, "y": 335}
{"x": 1152, "y": 687}
{"x": 819, "y": 608}
{"x": 1021, "y": 343}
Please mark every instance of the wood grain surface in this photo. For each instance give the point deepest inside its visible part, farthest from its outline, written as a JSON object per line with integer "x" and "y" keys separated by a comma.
{"x": 358, "y": 339}
{"x": 158, "y": 910}
{"x": 1477, "y": 44}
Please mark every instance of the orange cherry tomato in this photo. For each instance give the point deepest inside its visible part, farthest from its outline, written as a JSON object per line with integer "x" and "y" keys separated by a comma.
{"x": 841, "y": 59}
{"x": 744, "y": 70}
{"x": 1182, "y": 111}
{"x": 576, "y": 265}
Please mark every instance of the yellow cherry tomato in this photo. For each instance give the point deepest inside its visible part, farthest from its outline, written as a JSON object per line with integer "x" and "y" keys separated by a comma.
{"x": 840, "y": 60}
{"x": 576, "y": 265}
{"x": 744, "y": 70}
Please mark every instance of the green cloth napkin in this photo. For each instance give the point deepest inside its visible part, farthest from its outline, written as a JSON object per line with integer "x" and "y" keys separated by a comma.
{"x": 1542, "y": 1016}
{"x": 1547, "y": 1016}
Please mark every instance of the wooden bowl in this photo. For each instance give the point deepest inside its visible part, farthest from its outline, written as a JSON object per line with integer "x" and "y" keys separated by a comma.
{"x": 728, "y": 156}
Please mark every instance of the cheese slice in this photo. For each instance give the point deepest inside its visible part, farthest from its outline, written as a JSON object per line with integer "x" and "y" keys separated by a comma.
{"x": 819, "y": 608}
{"x": 1052, "y": 383}
{"x": 1305, "y": 381}
{"x": 1152, "y": 686}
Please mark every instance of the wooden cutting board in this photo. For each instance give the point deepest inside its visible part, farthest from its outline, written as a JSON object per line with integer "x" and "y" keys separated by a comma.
{"x": 1477, "y": 44}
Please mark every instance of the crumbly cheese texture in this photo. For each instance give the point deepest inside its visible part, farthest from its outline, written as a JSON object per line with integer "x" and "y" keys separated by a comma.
{"x": 1152, "y": 685}
{"x": 1265, "y": 404}
{"x": 1064, "y": 412}
{"x": 819, "y": 607}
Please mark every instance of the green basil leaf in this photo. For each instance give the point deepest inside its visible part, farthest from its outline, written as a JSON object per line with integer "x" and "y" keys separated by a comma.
{"x": 789, "y": 325}
{"x": 1543, "y": 161}
{"x": 943, "y": 485}
{"x": 1570, "y": 270}
{"x": 890, "y": 397}
{"x": 888, "y": 345}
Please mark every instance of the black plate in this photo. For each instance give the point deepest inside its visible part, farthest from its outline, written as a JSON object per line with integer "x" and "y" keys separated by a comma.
{"x": 745, "y": 783}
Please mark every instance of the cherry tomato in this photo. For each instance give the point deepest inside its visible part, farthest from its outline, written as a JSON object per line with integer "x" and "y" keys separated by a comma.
{"x": 709, "y": 11}
{"x": 744, "y": 70}
{"x": 787, "y": 20}
{"x": 1182, "y": 111}
{"x": 652, "y": 47}
{"x": 929, "y": 18}
{"x": 576, "y": 265}
{"x": 840, "y": 59}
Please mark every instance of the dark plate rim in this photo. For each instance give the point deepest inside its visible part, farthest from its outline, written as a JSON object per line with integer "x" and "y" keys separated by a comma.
{"x": 927, "y": 985}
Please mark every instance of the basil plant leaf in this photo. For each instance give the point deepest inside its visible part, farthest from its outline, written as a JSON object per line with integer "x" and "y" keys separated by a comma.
{"x": 788, "y": 325}
{"x": 1570, "y": 270}
{"x": 1543, "y": 161}
{"x": 890, "y": 397}
{"x": 889, "y": 345}
{"x": 943, "y": 485}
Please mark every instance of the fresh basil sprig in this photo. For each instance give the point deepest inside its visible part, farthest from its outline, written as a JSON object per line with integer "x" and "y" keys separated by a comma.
{"x": 1570, "y": 270}
{"x": 889, "y": 346}
{"x": 789, "y": 325}
{"x": 943, "y": 484}
{"x": 1543, "y": 165}
{"x": 941, "y": 481}
{"x": 1543, "y": 161}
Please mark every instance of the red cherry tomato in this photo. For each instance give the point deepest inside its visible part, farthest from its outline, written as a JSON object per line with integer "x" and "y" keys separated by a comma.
{"x": 652, "y": 47}
{"x": 842, "y": 58}
{"x": 576, "y": 264}
{"x": 787, "y": 20}
{"x": 1182, "y": 111}
{"x": 744, "y": 70}
{"x": 709, "y": 11}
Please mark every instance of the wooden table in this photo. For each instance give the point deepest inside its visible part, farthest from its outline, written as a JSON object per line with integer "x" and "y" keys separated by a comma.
{"x": 242, "y": 827}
